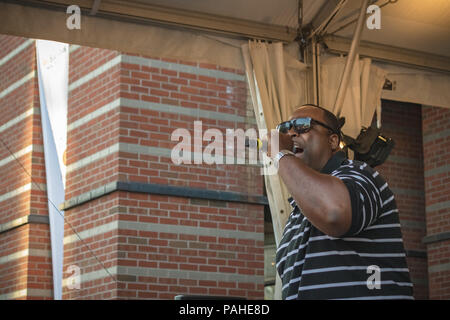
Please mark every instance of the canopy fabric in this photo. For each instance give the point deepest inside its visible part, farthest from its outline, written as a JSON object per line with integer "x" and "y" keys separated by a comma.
{"x": 417, "y": 86}
{"x": 129, "y": 37}
{"x": 277, "y": 83}
{"x": 363, "y": 95}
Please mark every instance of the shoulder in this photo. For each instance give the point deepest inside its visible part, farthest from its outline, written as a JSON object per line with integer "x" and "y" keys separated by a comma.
{"x": 355, "y": 167}
{"x": 361, "y": 172}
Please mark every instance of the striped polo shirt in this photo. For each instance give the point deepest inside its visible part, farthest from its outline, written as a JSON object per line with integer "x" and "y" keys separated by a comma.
{"x": 368, "y": 262}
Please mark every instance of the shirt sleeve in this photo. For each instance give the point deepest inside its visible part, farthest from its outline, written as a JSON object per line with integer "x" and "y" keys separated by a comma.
{"x": 366, "y": 202}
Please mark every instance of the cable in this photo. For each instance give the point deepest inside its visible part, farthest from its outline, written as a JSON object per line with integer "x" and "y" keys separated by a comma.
{"x": 65, "y": 221}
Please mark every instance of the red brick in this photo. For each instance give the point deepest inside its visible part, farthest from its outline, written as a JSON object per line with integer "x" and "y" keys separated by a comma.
{"x": 145, "y": 128}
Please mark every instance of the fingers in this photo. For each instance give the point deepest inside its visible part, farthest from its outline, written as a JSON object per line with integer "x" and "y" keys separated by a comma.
{"x": 278, "y": 141}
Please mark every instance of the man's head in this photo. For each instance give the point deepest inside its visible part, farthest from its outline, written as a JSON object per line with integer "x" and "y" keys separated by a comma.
{"x": 317, "y": 145}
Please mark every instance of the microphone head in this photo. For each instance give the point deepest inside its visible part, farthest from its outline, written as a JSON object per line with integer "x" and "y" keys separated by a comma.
{"x": 259, "y": 143}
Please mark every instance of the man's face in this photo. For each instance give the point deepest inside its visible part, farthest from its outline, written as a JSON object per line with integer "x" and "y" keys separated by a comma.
{"x": 313, "y": 147}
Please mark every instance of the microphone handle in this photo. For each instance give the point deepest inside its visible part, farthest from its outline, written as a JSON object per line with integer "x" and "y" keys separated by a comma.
{"x": 259, "y": 143}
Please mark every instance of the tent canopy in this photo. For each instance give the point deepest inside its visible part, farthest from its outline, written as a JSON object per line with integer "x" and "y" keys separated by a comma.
{"x": 410, "y": 24}
{"x": 417, "y": 31}
{"x": 413, "y": 35}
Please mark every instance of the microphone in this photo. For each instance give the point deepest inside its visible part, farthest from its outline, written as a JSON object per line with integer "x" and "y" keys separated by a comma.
{"x": 259, "y": 143}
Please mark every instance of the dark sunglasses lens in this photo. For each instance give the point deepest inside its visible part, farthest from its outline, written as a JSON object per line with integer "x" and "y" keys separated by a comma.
{"x": 284, "y": 127}
{"x": 302, "y": 125}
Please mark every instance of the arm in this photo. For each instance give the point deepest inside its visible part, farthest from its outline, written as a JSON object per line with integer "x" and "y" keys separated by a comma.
{"x": 324, "y": 199}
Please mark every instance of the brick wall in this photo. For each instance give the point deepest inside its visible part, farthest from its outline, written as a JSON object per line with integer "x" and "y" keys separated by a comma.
{"x": 143, "y": 234}
{"x": 121, "y": 182}
{"x": 403, "y": 170}
{"x": 25, "y": 259}
{"x": 436, "y": 150}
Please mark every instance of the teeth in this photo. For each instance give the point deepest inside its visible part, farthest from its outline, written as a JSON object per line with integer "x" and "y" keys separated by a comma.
{"x": 297, "y": 149}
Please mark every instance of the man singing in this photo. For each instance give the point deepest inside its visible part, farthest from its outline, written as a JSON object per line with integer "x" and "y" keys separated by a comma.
{"x": 343, "y": 239}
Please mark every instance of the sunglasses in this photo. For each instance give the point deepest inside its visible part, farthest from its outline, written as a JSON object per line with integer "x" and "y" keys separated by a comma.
{"x": 301, "y": 125}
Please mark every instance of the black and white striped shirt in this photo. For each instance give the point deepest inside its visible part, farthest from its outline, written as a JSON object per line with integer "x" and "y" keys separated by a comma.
{"x": 313, "y": 265}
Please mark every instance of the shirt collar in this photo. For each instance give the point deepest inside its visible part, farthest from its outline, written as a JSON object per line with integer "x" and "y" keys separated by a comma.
{"x": 334, "y": 162}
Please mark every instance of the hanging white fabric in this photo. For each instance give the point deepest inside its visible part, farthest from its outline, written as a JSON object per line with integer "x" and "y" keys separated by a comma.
{"x": 416, "y": 86}
{"x": 363, "y": 95}
{"x": 53, "y": 65}
{"x": 53, "y": 62}
{"x": 277, "y": 82}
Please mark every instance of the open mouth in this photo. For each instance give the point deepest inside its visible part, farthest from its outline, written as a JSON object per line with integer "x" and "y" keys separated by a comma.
{"x": 297, "y": 150}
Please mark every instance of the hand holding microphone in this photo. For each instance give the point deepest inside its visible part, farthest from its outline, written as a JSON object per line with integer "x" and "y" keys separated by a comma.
{"x": 264, "y": 145}
{"x": 254, "y": 143}
{"x": 273, "y": 147}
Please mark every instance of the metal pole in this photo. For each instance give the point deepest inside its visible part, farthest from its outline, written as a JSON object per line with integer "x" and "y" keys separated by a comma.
{"x": 350, "y": 59}
{"x": 318, "y": 72}
{"x": 314, "y": 67}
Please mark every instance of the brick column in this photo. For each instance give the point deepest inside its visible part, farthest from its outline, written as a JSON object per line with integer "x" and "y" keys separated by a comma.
{"x": 158, "y": 228}
{"x": 436, "y": 150}
{"x": 403, "y": 170}
{"x": 25, "y": 255}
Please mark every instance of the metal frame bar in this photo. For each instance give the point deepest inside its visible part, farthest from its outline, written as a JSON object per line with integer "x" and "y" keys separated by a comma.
{"x": 149, "y": 13}
{"x": 314, "y": 69}
{"x": 318, "y": 71}
{"x": 400, "y": 56}
{"x": 350, "y": 59}
{"x": 323, "y": 13}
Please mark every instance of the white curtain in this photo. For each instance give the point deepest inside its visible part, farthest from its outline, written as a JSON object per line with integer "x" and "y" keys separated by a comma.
{"x": 53, "y": 68}
{"x": 277, "y": 82}
{"x": 417, "y": 86}
{"x": 363, "y": 95}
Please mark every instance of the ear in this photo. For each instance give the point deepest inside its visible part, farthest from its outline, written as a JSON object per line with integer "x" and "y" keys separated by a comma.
{"x": 333, "y": 140}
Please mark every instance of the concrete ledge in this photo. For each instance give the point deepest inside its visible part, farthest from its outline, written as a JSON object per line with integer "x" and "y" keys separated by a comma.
{"x": 428, "y": 137}
{"x": 408, "y": 192}
{"x": 438, "y": 237}
{"x": 31, "y": 218}
{"x": 439, "y": 170}
{"x": 437, "y": 206}
{"x": 442, "y": 267}
{"x": 416, "y": 254}
{"x": 130, "y": 274}
{"x": 46, "y": 293}
{"x": 152, "y": 151}
{"x": 161, "y": 189}
{"x": 25, "y": 254}
{"x": 18, "y": 83}
{"x": 165, "y": 228}
{"x": 16, "y": 51}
